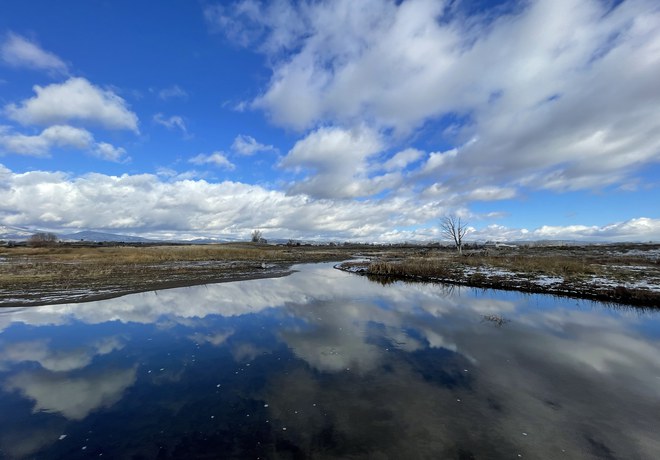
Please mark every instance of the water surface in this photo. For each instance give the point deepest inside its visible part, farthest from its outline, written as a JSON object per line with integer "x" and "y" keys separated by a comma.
{"x": 325, "y": 364}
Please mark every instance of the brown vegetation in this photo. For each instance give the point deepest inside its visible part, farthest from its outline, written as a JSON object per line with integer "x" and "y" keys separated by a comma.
{"x": 68, "y": 272}
{"x": 609, "y": 273}
{"x": 37, "y": 275}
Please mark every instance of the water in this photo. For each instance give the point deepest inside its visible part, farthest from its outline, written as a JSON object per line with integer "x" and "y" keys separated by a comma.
{"x": 324, "y": 364}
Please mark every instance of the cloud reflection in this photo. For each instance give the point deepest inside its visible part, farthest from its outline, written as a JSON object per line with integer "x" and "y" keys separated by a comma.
{"x": 73, "y": 396}
{"x": 396, "y": 370}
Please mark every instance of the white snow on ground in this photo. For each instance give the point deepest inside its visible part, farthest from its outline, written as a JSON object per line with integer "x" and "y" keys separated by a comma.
{"x": 651, "y": 285}
{"x": 352, "y": 268}
{"x": 644, "y": 284}
{"x": 652, "y": 254}
{"x": 548, "y": 280}
{"x": 596, "y": 281}
{"x": 634, "y": 268}
{"x": 488, "y": 271}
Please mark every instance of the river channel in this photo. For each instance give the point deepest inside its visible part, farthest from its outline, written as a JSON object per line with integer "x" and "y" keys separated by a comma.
{"x": 327, "y": 364}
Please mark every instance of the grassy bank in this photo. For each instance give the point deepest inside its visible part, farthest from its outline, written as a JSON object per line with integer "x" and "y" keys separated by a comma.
{"x": 613, "y": 273}
{"x": 627, "y": 274}
{"x": 33, "y": 276}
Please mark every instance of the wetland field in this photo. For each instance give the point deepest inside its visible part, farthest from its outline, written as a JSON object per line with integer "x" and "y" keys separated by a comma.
{"x": 620, "y": 273}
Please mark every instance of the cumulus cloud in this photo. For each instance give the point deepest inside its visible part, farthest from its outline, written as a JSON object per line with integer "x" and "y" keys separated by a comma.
{"x": 217, "y": 159}
{"x": 402, "y": 159}
{"x": 248, "y": 145}
{"x": 144, "y": 203}
{"x": 63, "y": 136}
{"x": 41, "y": 144}
{"x": 336, "y": 163}
{"x": 109, "y": 152}
{"x": 176, "y": 207}
{"x": 18, "y": 51}
{"x": 524, "y": 93}
{"x": 173, "y": 122}
{"x": 637, "y": 229}
{"x": 75, "y": 100}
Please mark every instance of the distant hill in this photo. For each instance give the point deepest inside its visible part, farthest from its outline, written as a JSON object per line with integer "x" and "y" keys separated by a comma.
{"x": 98, "y": 237}
{"x": 11, "y": 233}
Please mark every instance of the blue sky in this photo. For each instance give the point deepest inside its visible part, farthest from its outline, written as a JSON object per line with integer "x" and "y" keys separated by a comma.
{"x": 340, "y": 120}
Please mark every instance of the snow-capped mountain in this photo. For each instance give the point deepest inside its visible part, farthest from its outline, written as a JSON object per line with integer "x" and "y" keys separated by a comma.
{"x": 11, "y": 233}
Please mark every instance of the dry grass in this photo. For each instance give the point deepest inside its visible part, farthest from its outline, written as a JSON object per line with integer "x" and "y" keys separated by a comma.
{"x": 416, "y": 266}
{"x": 589, "y": 271}
{"x": 36, "y": 272}
{"x": 150, "y": 254}
{"x": 550, "y": 265}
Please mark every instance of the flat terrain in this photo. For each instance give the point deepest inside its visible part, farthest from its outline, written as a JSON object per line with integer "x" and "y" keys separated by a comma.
{"x": 71, "y": 273}
{"x": 621, "y": 273}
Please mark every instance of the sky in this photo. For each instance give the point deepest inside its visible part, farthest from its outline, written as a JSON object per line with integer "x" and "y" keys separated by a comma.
{"x": 332, "y": 120}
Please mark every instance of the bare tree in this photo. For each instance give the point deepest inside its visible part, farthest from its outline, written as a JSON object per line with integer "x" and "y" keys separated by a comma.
{"x": 452, "y": 228}
{"x": 257, "y": 236}
{"x": 42, "y": 239}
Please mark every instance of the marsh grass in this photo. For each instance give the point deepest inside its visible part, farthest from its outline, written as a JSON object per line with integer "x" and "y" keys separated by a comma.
{"x": 591, "y": 273}
{"x": 550, "y": 265}
{"x": 30, "y": 271}
{"x": 415, "y": 266}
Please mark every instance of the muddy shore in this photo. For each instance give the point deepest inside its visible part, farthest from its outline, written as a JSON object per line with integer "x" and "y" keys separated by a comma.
{"x": 622, "y": 274}
{"x": 614, "y": 274}
{"x": 65, "y": 274}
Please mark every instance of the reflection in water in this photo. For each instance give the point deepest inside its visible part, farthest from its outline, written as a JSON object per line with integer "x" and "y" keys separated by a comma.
{"x": 325, "y": 364}
{"x": 72, "y": 396}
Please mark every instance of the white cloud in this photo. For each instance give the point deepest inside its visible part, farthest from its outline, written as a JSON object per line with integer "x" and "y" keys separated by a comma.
{"x": 218, "y": 159}
{"x": 530, "y": 89}
{"x": 491, "y": 193}
{"x": 173, "y": 92}
{"x": 75, "y": 100}
{"x": 18, "y": 51}
{"x": 153, "y": 206}
{"x": 175, "y": 207}
{"x": 336, "y": 163}
{"x": 109, "y": 152}
{"x": 173, "y": 122}
{"x": 248, "y": 145}
{"x": 638, "y": 229}
{"x": 403, "y": 159}
{"x": 40, "y": 145}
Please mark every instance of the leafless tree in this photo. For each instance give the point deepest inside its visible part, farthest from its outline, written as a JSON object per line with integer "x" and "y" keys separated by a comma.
{"x": 452, "y": 228}
{"x": 257, "y": 236}
{"x": 42, "y": 239}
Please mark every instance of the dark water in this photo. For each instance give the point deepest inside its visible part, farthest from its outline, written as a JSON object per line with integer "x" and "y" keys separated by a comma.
{"x": 323, "y": 364}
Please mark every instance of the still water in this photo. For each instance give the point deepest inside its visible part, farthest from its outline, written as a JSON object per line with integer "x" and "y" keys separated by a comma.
{"x": 325, "y": 364}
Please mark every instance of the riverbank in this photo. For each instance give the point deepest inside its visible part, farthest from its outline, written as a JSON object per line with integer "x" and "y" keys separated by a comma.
{"x": 68, "y": 273}
{"x": 622, "y": 274}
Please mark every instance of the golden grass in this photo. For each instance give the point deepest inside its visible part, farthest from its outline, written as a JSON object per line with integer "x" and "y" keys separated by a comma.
{"x": 155, "y": 254}
{"x": 414, "y": 266}
{"x": 32, "y": 269}
{"x": 551, "y": 265}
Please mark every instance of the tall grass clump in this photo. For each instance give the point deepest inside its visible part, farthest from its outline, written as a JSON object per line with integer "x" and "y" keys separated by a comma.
{"x": 426, "y": 267}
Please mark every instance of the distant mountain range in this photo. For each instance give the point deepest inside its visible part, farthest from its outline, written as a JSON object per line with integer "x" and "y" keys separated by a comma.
{"x": 97, "y": 237}
{"x": 18, "y": 234}
{"x": 12, "y": 233}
